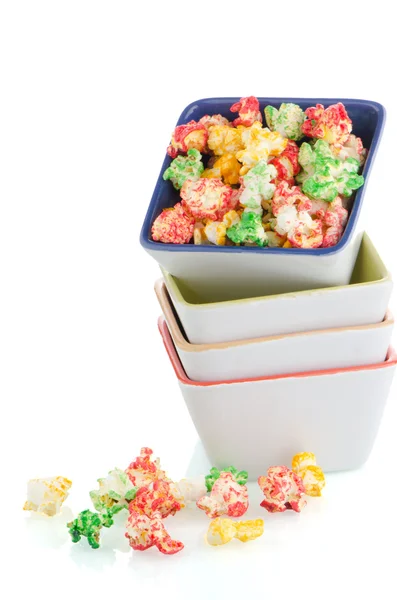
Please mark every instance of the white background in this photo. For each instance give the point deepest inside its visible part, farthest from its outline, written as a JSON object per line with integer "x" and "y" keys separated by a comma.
{"x": 90, "y": 92}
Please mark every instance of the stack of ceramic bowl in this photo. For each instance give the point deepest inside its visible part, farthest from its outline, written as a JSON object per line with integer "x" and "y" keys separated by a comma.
{"x": 279, "y": 350}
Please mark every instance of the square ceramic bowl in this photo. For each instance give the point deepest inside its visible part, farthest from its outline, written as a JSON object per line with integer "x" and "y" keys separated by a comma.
{"x": 214, "y": 270}
{"x": 256, "y": 423}
{"x": 362, "y": 302}
{"x": 275, "y": 355}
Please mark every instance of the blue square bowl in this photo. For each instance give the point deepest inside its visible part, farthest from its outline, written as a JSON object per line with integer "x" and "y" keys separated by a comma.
{"x": 232, "y": 272}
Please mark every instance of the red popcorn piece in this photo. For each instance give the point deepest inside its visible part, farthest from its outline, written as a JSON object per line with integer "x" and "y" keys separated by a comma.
{"x": 143, "y": 532}
{"x": 208, "y": 198}
{"x": 331, "y": 124}
{"x": 306, "y": 233}
{"x": 287, "y": 164}
{"x": 190, "y": 135}
{"x": 249, "y": 111}
{"x": 173, "y": 226}
{"x": 283, "y": 490}
{"x": 143, "y": 470}
{"x": 334, "y": 222}
{"x": 157, "y": 497}
{"x": 227, "y": 497}
{"x": 285, "y": 196}
{"x": 211, "y": 120}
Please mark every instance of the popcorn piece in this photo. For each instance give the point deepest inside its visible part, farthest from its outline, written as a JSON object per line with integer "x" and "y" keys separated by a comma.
{"x": 227, "y": 498}
{"x": 260, "y": 143}
{"x": 226, "y": 167}
{"x": 286, "y": 196}
{"x": 283, "y": 489}
{"x": 210, "y": 121}
{"x": 240, "y": 476}
{"x": 304, "y": 464}
{"x": 306, "y": 232}
{"x": 249, "y": 111}
{"x": 215, "y": 231}
{"x": 143, "y": 470}
{"x": 324, "y": 176}
{"x": 184, "y": 167}
{"x": 115, "y": 489}
{"x": 275, "y": 240}
{"x": 89, "y": 524}
{"x": 256, "y": 185}
{"x": 334, "y": 222}
{"x": 225, "y": 140}
{"x": 192, "y": 488}
{"x": 189, "y": 135}
{"x": 208, "y": 199}
{"x": 331, "y": 124}
{"x": 248, "y": 230}
{"x": 222, "y": 531}
{"x": 287, "y": 120}
{"x": 143, "y": 532}
{"x": 173, "y": 226}
{"x": 46, "y": 496}
{"x": 287, "y": 164}
{"x": 157, "y": 497}
{"x": 199, "y": 237}
{"x": 353, "y": 148}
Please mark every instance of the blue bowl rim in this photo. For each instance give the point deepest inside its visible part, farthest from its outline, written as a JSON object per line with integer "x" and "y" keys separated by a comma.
{"x": 150, "y": 245}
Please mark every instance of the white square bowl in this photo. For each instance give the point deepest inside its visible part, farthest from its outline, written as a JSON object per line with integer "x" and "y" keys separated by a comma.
{"x": 362, "y": 302}
{"x": 256, "y": 423}
{"x": 284, "y": 354}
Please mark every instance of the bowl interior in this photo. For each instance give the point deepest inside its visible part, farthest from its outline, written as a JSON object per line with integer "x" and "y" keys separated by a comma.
{"x": 369, "y": 268}
{"x": 368, "y": 120}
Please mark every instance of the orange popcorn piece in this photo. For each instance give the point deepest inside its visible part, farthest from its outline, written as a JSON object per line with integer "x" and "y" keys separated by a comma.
{"x": 305, "y": 465}
{"x": 283, "y": 489}
{"x": 226, "y": 167}
{"x": 227, "y": 497}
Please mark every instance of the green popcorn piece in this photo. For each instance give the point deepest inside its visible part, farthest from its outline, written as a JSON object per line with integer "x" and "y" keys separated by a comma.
{"x": 325, "y": 177}
{"x": 287, "y": 120}
{"x": 87, "y": 524}
{"x": 248, "y": 230}
{"x": 257, "y": 186}
{"x": 115, "y": 489}
{"x": 184, "y": 167}
{"x": 240, "y": 476}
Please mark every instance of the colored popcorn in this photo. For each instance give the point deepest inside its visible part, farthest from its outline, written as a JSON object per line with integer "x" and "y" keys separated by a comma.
{"x": 230, "y": 201}
{"x": 156, "y": 497}
{"x": 240, "y": 476}
{"x": 114, "y": 490}
{"x": 46, "y": 496}
{"x": 89, "y": 524}
{"x": 259, "y": 144}
{"x": 226, "y": 167}
{"x": 143, "y": 532}
{"x": 191, "y": 489}
{"x": 190, "y": 135}
{"x": 173, "y": 226}
{"x": 248, "y": 110}
{"x": 332, "y": 124}
{"x": 305, "y": 465}
{"x": 183, "y": 168}
{"x": 144, "y": 470}
{"x": 227, "y": 497}
{"x": 324, "y": 176}
{"x": 222, "y": 531}
{"x": 283, "y": 489}
{"x": 287, "y": 120}
{"x": 249, "y": 230}
{"x": 207, "y": 198}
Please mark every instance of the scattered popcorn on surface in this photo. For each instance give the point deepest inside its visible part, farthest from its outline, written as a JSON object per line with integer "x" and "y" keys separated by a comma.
{"x": 287, "y": 121}
{"x": 192, "y": 488}
{"x": 89, "y": 524}
{"x": 143, "y": 532}
{"x": 173, "y": 226}
{"x": 115, "y": 489}
{"x": 305, "y": 465}
{"x": 207, "y": 198}
{"x": 143, "y": 470}
{"x": 240, "y": 476}
{"x": 222, "y": 531}
{"x": 46, "y": 496}
{"x": 227, "y": 497}
{"x": 248, "y": 110}
{"x": 331, "y": 124}
{"x": 283, "y": 489}
{"x": 190, "y": 135}
{"x": 183, "y": 168}
{"x": 155, "y": 497}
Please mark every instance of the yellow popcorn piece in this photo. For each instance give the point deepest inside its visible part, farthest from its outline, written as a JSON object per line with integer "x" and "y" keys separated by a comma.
{"x": 225, "y": 140}
{"x": 215, "y": 231}
{"x": 222, "y": 531}
{"x": 259, "y": 144}
{"x": 304, "y": 464}
{"x": 46, "y": 496}
{"x": 226, "y": 167}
